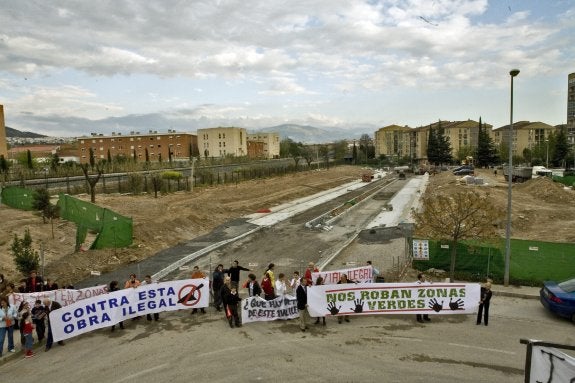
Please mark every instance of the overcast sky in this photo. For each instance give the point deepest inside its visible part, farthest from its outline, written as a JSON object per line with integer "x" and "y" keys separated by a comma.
{"x": 68, "y": 68}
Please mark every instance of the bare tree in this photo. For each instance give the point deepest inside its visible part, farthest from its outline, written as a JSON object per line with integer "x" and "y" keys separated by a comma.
{"x": 463, "y": 215}
{"x": 157, "y": 182}
{"x": 92, "y": 180}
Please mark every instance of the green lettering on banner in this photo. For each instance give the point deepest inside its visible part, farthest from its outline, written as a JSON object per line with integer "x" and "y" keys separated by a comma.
{"x": 462, "y": 292}
{"x": 330, "y": 298}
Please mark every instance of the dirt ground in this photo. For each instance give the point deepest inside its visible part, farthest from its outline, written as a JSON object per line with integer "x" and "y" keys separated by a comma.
{"x": 542, "y": 210}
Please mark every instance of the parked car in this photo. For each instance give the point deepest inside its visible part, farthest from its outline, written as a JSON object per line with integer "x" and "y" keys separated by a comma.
{"x": 464, "y": 172}
{"x": 559, "y": 298}
{"x": 462, "y": 167}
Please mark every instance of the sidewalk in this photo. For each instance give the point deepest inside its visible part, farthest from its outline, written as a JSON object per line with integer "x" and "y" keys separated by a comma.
{"x": 527, "y": 292}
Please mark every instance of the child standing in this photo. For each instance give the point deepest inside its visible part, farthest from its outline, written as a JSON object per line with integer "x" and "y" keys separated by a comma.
{"x": 27, "y": 329}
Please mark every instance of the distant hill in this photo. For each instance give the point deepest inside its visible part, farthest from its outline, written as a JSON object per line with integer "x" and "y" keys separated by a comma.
{"x": 313, "y": 135}
{"x": 19, "y": 134}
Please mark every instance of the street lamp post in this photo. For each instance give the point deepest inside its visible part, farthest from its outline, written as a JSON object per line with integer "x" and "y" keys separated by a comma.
{"x": 512, "y": 73}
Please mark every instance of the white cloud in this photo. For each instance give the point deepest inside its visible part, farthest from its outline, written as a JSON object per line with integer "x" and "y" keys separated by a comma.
{"x": 228, "y": 53}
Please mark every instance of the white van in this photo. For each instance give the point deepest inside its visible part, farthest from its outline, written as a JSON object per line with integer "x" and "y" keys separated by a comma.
{"x": 541, "y": 171}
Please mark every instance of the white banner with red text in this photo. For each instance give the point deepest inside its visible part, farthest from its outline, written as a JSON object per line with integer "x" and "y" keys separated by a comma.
{"x": 106, "y": 310}
{"x": 256, "y": 309}
{"x": 393, "y": 298}
{"x": 362, "y": 274}
{"x": 63, "y": 296}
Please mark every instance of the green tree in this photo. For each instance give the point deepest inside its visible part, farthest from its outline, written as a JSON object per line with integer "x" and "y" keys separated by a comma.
{"x": 443, "y": 146}
{"x": 432, "y": 147}
{"x": 463, "y": 215}
{"x": 561, "y": 149}
{"x": 4, "y": 165}
{"x": 309, "y": 154}
{"x": 25, "y": 257}
{"x": 92, "y": 158}
{"x": 324, "y": 154}
{"x": 364, "y": 144}
{"x": 147, "y": 156}
{"x": 29, "y": 161}
{"x": 54, "y": 162}
{"x": 109, "y": 157}
{"x": 340, "y": 149}
{"x": 486, "y": 153}
{"x": 354, "y": 153}
{"x": 157, "y": 183}
{"x": 41, "y": 201}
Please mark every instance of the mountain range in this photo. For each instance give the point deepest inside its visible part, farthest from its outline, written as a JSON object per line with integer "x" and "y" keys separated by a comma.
{"x": 15, "y": 133}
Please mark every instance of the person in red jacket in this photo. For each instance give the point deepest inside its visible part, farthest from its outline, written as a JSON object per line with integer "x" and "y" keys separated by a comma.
{"x": 310, "y": 269}
{"x": 268, "y": 287}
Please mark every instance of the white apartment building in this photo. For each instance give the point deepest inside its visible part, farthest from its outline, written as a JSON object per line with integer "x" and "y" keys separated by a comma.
{"x": 271, "y": 143}
{"x": 222, "y": 142}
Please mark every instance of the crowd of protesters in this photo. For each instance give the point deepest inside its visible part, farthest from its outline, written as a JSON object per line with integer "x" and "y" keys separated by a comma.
{"x": 24, "y": 319}
{"x": 224, "y": 285}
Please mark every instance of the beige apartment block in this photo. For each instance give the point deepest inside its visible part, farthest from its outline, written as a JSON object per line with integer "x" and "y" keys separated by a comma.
{"x": 270, "y": 147}
{"x": 526, "y": 135}
{"x": 3, "y": 141}
{"x": 222, "y": 142}
{"x": 393, "y": 141}
{"x": 159, "y": 146}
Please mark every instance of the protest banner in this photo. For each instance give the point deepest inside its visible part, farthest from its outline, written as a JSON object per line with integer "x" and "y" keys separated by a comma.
{"x": 256, "y": 309}
{"x": 393, "y": 298}
{"x": 63, "y": 296}
{"x": 551, "y": 365}
{"x": 106, "y": 310}
{"x": 362, "y": 274}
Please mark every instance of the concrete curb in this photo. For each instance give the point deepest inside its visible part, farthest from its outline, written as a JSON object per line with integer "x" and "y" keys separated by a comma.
{"x": 514, "y": 294}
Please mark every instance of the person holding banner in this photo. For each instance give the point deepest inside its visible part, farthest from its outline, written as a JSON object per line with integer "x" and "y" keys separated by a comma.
{"x": 422, "y": 281}
{"x": 301, "y": 295}
{"x": 319, "y": 282}
{"x": 294, "y": 282}
{"x": 114, "y": 286}
{"x": 484, "y": 303}
{"x": 254, "y": 289}
{"x": 343, "y": 279}
{"x": 38, "y": 318}
{"x": 7, "y": 317}
{"x": 51, "y": 306}
{"x": 217, "y": 283}
{"x": 281, "y": 287}
{"x": 197, "y": 274}
{"x": 148, "y": 281}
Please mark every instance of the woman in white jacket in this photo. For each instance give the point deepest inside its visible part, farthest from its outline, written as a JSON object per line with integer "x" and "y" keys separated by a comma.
{"x": 8, "y": 316}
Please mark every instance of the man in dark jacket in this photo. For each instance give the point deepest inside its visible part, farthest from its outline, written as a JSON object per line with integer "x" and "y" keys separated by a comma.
{"x": 232, "y": 300}
{"x": 301, "y": 295}
{"x": 486, "y": 294}
{"x": 217, "y": 283}
{"x": 51, "y": 306}
{"x": 34, "y": 283}
{"x": 234, "y": 273}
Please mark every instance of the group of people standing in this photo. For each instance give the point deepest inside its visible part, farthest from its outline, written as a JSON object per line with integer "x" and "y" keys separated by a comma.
{"x": 25, "y": 318}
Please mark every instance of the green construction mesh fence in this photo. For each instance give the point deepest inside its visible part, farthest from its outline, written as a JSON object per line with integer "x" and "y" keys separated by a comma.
{"x": 18, "y": 198}
{"x": 531, "y": 262}
{"x": 98, "y": 227}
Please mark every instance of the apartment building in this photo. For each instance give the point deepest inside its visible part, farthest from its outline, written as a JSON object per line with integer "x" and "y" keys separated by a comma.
{"x": 269, "y": 148}
{"x": 526, "y": 135}
{"x": 222, "y": 142}
{"x": 393, "y": 141}
{"x": 158, "y": 146}
{"x": 3, "y": 141}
